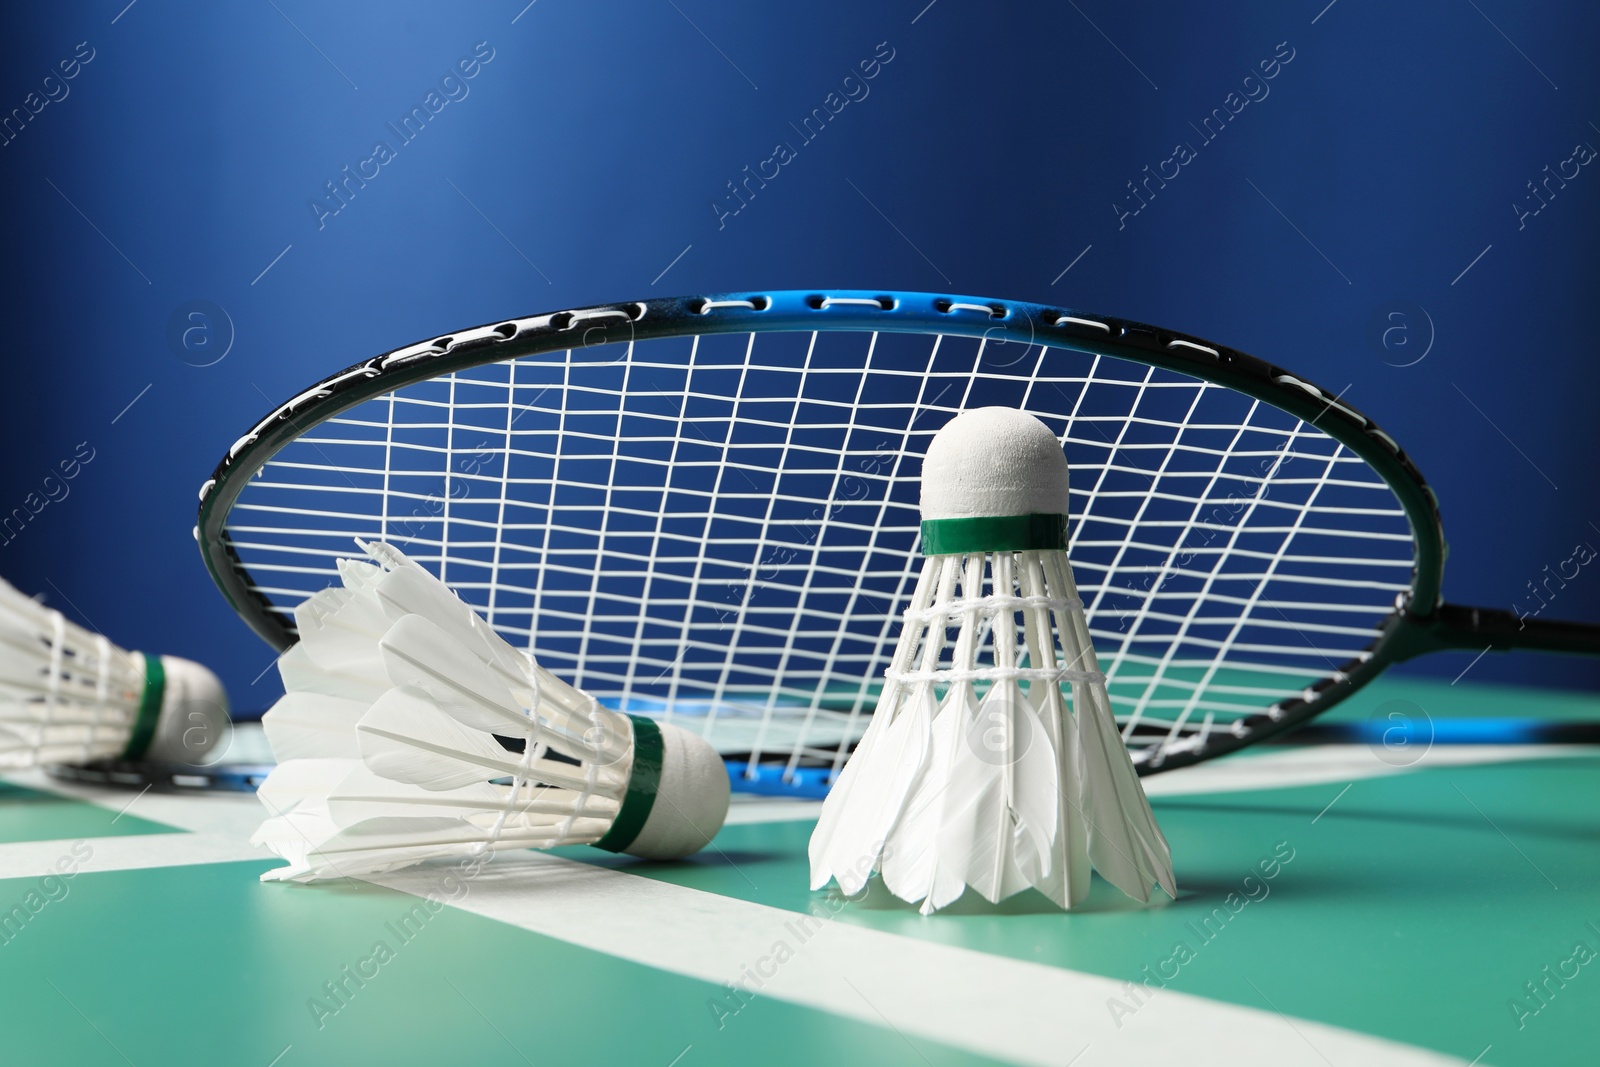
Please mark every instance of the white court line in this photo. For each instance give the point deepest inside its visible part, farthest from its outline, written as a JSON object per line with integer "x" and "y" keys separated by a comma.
{"x": 225, "y": 814}
{"x": 133, "y": 852}
{"x": 1321, "y": 764}
{"x": 769, "y": 809}
{"x": 992, "y": 1005}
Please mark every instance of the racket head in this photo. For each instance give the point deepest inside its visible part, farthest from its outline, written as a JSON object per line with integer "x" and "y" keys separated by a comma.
{"x": 524, "y": 459}
{"x": 165, "y": 777}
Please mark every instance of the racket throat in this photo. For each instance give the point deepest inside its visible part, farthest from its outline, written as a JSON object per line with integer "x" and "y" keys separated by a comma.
{"x": 1467, "y": 629}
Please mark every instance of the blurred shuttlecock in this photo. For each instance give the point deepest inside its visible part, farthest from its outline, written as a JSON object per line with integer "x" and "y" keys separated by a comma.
{"x": 388, "y": 741}
{"x": 977, "y": 770}
{"x": 68, "y": 695}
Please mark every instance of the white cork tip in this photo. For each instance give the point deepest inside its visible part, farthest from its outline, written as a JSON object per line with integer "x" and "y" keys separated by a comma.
{"x": 194, "y": 714}
{"x": 691, "y": 800}
{"x": 994, "y": 462}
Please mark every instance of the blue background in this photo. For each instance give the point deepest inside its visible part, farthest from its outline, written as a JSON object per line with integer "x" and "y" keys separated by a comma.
{"x": 1377, "y": 176}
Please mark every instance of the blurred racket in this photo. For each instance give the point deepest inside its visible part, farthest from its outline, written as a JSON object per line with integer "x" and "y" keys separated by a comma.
{"x": 241, "y": 763}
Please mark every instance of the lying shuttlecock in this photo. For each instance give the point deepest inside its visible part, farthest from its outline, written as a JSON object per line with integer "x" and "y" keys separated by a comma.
{"x": 975, "y": 770}
{"x": 68, "y": 695}
{"x": 388, "y": 740}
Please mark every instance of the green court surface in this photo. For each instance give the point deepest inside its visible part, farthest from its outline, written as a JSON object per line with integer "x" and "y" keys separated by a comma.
{"x": 1334, "y": 908}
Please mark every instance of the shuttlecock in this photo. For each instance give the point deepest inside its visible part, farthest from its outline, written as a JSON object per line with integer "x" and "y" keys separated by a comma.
{"x": 388, "y": 741}
{"x": 68, "y": 695}
{"x": 977, "y": 768}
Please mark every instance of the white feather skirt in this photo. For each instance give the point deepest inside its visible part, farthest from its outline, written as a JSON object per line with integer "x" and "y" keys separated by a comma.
{"x": 993, "y": 760}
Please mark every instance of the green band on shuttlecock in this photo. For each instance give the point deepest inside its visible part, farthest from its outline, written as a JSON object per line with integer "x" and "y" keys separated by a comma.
{"x": 144, "y": 723}
{"x": 993, "y": 533}
{"x": 648, "y": 751}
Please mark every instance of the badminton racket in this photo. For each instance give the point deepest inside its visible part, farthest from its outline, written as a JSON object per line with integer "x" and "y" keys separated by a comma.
{"x": 705, "y": 508}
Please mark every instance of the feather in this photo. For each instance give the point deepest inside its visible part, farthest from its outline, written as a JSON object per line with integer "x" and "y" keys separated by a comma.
{"x": 301, "y": 674}
{"x": 358, "y": 576}
{"x": 999, "y": 834}
{"x": 970, "y": 848}
{"x": 911, "y": 856}
{"x": 1066, "y": 880}
{"x": 980, "y": 839}
{"x": 295, "y": 792}
{"x": 1035, "y": 798}
{"x": 840, "y": 810}
{"x": 1125, "y": 842}
{"x": 404, "y": 738}
{"x": 308, "y": 725}
{"x": 297, "y": 783}
{"x": 362, "y": 794}
{"x": 419, "y": 653}
{"x": 888, "y": 773}
{"x": 925, "y": 865}
{"x": 335, "y": 819}
{"x": 338, "y": 628}
{"x": 837, "y": 804}
{"x": 373, "y": 846}
{"x": 409, "y": 589}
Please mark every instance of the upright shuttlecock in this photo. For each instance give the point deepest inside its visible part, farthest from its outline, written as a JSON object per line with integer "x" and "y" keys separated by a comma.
{"x": 977, "y": 769}
{"x": 68, "y": 695}
{"x": 389, "y": 734}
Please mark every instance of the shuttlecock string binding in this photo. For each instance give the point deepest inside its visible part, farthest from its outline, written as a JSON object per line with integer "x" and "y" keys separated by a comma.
{"x": 991, "y": 610}
{"x": 389, "y": 740}
{"x": 102, "y": 683}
